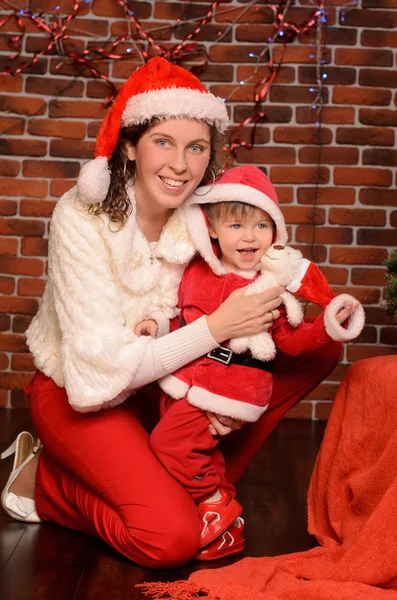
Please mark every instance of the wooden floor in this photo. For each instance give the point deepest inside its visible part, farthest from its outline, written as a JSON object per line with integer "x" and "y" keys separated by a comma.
{"x": 46, "y": 562}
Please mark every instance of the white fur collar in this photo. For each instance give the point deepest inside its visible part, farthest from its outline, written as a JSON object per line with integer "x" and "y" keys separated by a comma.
{"x": 138, "y": 266}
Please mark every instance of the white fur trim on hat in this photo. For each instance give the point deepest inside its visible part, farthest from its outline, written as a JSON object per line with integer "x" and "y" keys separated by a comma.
{"x": 355, "y": 323}
{"x": 221, "y": 405}
{"x": 176, "y": 102}
{"x": 94, "y": 180}
{"x": 297, "y": 281}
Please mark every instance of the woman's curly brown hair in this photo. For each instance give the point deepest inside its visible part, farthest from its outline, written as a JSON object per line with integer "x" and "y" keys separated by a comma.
{"x": 117, "y": 204}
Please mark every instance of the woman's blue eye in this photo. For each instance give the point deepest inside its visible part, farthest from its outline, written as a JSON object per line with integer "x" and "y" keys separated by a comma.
{"x": 196, "y": 149}
{"x": 162, "y": 143}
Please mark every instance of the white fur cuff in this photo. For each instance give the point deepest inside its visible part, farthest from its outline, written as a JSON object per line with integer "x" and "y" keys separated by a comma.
{"x": 221, "y": 405}
{"x": 355, "y": 323}
{"x": 173, "y": 386}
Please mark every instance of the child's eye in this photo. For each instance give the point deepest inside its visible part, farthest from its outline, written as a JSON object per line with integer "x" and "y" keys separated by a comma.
{"x": 196, "y": 149}
{"x": 162, "y": 143}
{"x": 236, "y": 226}
{"x": 261, "y": 226}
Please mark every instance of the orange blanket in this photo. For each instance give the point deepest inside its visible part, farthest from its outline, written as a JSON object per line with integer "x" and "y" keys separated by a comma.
{"x": 352, "y": 502}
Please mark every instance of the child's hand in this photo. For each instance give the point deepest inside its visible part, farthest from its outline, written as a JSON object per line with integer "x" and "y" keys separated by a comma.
{"x": 148, "y": 327}
{"x": 346, "y": 312}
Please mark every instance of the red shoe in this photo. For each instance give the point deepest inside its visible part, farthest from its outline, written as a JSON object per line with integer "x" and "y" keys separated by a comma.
{"x": 229, "y": 542}
{"x": 217, "y": 517}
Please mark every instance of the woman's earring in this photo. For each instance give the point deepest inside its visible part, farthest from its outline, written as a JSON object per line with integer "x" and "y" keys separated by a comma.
{"x": 126, "y": 176}
{"x": 212, "y": 185}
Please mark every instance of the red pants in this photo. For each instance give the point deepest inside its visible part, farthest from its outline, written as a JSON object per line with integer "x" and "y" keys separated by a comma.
{"x": 184, "y": 445}
{"x": 98, "y": 475}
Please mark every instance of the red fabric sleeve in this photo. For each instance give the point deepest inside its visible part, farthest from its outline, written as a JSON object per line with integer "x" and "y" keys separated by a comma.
{"x": 304, "y": 339}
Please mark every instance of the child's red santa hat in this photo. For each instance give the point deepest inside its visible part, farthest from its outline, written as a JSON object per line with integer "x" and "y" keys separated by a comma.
{"x": 248, "y": 184}
{"x": 157, "y": 89}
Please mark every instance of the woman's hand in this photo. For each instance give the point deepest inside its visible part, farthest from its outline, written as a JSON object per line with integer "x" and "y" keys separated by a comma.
{"x": 241, "y": 315}
{"x": 221, "y": 425}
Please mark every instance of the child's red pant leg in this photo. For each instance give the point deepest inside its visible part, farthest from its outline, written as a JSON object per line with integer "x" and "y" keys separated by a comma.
{"x": 184, "y": 445}
{"x": 98, "y": 475}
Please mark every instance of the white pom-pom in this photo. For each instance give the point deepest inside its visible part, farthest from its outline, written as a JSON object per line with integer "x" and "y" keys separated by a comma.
{"x": 94, "y": 180}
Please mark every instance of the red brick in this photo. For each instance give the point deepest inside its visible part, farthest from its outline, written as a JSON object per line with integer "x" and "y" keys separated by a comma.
{"x": 22, "y": 362}
{"x": 21, "y": 266}
{"x": 13, "y": 84}
{"x": 22, "y": 105}
{"x": 273, "y": 114}
{"x": 303, "y": 411}
{"x": 176, "y": 10}
{"x": 75, "y": 70}
{"x": 19, "y": 187}
{"x": 31, "y": 287}
{"x": 4, "y": 361}
{"x": 284, "y": 74}
{"x": 20, "y": 323}
{"x": 8, "y": 246}
{"x": 371, "y": 18}
{"x": 379, "y": 39}
{"x": 26, "y": 63}
{"x": 9, "y": 168}
{"x": 379, "y": 3}
{"x": 357, "y": 216}
{"x": 93, "y": 128}
{"x": 329, "y": 114}
{"x": 8, "y": 207}
{"x": 361, "y": 96}
{"x": 302, "y": 135}
{"x": 329, "y": 156}
{"x": 35, "y": 44}
{"x": 4, "y": 398}
{"x": 211, "y": 32}
{"x": 299, "y": 175}
{"x": 293, "y": 94}
{"x": 364, "y": 295}
{"x": 255, "y": 34}
{"x": 388, "y": 335}
{"x": 54, "y": 128}
{"x": 236, "y": 53}
{"x": 322, "y": 411}
{"x": 376, "y": 315}
{"x": 376, "y": 237}
{"x": 335, "y": 275}
{"x": 51, "y": 86}
{"x": 12, "y": 125}
{"x": 325, "y": 391}
{"x": 59, "y": 187}
{"x": 303, "y": 214}
{"x": 5, "y": 322}
{"x": 377, "y": 197}
{"x": 338, "y": 373}
{"x": 367, "y": 116}
{"x": 285, "y": 194}
{"x": 335, "y": 75}
{"x": 97, "y": 27}
{"x": 393, "y": 218}
{"x": 296, "y": 54}
{"x": 317, "y": 254}
{"x": 50, "y": 168}
{"x": 7, "y": 285}
{"x": 77, "y": 109}
{"x": 326, "y": 195}
{"x": 25, "y": 227}
{"x": 10, "y": 342}
{"x": 27, "y": 148}
{"x": 324, "y": 235}
{"x": 357, "y": 176}
{"x": 244, "y": 14}
{"x": 217, "y": 73}
{"x": 378, "y": 78}
{"x": 267, "y": 156}
{"x": 36, "y": 208}
{"x": 358, "y": 352}
{"x": 368, "y": 276}
{"x": 352, "y": 56}
{"x": 34, "y": 246}
{"x": 372, "y": 136}
{"x": 380, "y": 156}
{"x": 14, "y": 381}
{"x": 357, "y": 256}
{"x": 262, "y": 134}
{"x": 72, "y": 148}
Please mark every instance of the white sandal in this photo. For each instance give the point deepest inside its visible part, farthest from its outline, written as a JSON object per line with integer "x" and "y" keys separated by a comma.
{"x": 19, "y": 507}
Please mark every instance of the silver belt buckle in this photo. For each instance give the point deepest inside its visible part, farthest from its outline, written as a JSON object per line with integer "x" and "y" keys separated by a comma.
{"x": 221, "y": 354}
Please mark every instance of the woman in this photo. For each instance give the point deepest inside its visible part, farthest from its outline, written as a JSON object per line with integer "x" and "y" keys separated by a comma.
{"x": 118, "y": 246}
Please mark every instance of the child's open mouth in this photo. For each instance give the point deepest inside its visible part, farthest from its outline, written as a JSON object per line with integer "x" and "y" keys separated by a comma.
{"x": 247, "y": 253}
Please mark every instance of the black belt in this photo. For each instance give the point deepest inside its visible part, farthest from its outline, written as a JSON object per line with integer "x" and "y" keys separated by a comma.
{"x": 227, "y": 357}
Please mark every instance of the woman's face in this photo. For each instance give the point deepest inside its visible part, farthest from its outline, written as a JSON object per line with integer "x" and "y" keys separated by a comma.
{"x": 171, "y": 159}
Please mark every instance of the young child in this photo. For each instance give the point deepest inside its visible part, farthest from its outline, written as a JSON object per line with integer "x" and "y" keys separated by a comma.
{"x": 241, "y": 224}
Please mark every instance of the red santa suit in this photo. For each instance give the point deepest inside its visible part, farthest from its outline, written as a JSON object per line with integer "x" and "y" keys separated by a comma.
{"x": 224, "y": 382}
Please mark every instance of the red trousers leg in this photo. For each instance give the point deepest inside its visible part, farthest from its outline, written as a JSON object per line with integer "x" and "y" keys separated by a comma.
{"x": 293, "y": 379}
{"x": 184, "y": 445}
{"x": 98, "y": 475}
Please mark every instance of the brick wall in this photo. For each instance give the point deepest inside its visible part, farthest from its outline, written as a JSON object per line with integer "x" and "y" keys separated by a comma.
{"x": 51, "y": 113}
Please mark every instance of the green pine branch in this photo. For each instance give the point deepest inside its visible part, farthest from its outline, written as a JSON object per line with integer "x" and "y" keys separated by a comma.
{"x": 390, "y": 293}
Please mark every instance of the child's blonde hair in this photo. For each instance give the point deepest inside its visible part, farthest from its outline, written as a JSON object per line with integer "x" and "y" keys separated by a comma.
{"x": 222, "y": 211}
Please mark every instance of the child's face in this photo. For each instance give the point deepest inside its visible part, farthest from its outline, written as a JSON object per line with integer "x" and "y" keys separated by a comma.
{"x": 243, "y": 242}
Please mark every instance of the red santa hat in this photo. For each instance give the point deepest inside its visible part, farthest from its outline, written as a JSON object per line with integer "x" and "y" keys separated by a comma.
{"x": 245, "y": 183}
{"x": 157, "y": 89}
